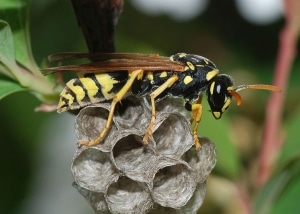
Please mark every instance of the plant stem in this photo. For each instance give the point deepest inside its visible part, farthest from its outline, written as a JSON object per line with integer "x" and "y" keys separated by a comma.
{"x": 272, "y": 140}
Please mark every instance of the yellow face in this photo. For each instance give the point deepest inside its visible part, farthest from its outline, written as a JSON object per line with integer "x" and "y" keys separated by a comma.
{"x": 226, "y": 104}
{"x": 218, "y": 95}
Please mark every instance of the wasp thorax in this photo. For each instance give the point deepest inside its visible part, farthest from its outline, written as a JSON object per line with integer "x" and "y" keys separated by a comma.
{"x": 194, "y": 62}
{"x": 218, "y": 95}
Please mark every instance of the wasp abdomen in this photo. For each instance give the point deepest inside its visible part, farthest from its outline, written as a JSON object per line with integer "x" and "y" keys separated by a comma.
{"x": 89, "y": 88}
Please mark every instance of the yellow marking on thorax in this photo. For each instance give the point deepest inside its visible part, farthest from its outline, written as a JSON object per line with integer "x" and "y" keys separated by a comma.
{"x": 191, "y": 66}
{"x": 78, "y": 91}
{"x": 150, "y": 76}
{"x": 211, "y": 74}
{"x": 181, "y": 55}
{"x": 187, "y": 80}
{"x": 163, "y": 74}
{"x": 107, "y": 83}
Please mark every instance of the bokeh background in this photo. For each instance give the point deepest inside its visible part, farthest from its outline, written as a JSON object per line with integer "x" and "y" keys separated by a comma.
{"x": 241, "y": 37}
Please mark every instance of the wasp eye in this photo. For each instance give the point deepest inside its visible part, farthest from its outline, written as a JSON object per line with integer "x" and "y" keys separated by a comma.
{"x": 218, "y": 96}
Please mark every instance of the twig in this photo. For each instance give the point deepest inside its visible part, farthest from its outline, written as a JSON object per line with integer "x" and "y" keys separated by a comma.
{"x": 244, "y": 199}
{"x": 272, "y": 140}
{"x": 98, "y": 19}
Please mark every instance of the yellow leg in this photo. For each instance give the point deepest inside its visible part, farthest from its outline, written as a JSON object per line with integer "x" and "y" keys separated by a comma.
{"x": 195, "y": 110}
{"x": 196, "y": 116}
{"x": 117, "y": 98}
{"x": 153, "y": 95}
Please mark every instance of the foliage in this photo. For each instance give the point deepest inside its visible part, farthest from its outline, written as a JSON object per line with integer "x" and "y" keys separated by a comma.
{"x": 17, "y": 66}
{"x": 281, "y": 189}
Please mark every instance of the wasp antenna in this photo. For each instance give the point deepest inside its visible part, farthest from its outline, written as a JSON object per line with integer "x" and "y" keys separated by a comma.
{"x": 258, "y": 86}
{"x": 236, "y": 96}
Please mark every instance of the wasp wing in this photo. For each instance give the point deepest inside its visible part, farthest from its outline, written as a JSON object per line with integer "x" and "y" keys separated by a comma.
{"x": 58, "y": 57}
{"x": 121, "y": 62}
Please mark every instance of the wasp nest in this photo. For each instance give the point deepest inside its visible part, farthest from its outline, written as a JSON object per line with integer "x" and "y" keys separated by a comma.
{"x": 121, "y": 175}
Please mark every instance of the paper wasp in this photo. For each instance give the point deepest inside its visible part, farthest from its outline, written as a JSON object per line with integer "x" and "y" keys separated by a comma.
{"x": 112, "y": 76}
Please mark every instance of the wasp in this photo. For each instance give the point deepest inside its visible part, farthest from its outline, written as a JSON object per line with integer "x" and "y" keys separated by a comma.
{"x": 113, "y": 76}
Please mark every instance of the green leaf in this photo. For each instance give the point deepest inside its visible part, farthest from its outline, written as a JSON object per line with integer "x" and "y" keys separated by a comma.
{"x": 16, "y": 13}
{"x": 7, "y": 57}
{"x": 6, "y": 42}
{"x": 282, "y": 192}
{"x": 228, "y": 162}
{"x": 8, "y": 87}
{"x": 14, "y": 40}
{"x": 291, "y": 147}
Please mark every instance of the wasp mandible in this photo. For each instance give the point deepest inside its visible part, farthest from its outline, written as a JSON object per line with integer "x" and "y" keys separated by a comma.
{"x": 113, "y": 76}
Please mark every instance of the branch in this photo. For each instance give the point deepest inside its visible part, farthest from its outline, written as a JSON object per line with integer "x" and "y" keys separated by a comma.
{"x": 272, "y": 141}
{"x": 98, "y": 19}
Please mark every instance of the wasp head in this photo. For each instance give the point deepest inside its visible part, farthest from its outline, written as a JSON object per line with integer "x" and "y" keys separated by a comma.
{"x": 219, "y": 94}
{"x": 220, "y": 91}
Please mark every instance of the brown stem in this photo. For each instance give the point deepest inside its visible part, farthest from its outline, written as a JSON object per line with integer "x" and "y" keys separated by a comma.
{"x": 98, "y": 19}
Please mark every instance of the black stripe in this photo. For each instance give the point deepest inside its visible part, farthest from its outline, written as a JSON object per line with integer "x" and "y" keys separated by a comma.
{"x": 86, "y": 98}
{"x": 92, "y": 76}
{"x": 121, "y": 78}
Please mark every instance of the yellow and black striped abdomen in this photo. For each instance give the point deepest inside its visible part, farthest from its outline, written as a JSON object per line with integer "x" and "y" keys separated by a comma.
{"x": 89, "y": 88}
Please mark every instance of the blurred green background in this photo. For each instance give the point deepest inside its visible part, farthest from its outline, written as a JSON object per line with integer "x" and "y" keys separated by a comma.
{"x": 37, "y": 148}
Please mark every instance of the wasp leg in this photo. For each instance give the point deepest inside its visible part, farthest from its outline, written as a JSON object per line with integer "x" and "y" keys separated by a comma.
{"x": 153, "y": 95}
{"x": 196, "y": 115}
{"x": 195, "y": 111}
{"x": 117, "y": 98}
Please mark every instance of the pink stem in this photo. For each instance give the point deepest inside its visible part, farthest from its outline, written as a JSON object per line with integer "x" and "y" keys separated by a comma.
{"x": 244, "y": 199}
{"x": 272, "y": 139}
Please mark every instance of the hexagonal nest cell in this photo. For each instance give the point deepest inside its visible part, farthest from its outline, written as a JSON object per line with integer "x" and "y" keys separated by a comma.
{"x": 123, "y": 175}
